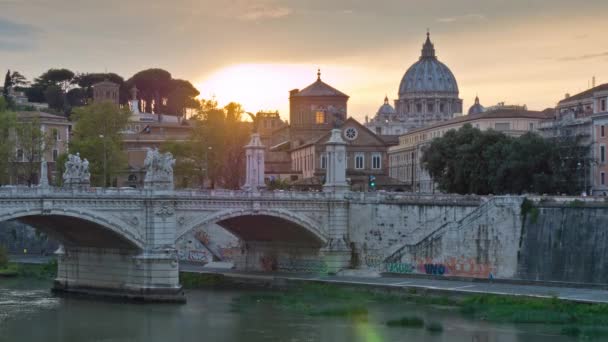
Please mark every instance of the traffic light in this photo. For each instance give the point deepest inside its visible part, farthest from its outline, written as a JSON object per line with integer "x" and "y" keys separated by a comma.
{"x": 372, "y": 182}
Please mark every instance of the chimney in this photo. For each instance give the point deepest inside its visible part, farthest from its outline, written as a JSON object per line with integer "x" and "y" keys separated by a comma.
{"x": 567, "y": 96}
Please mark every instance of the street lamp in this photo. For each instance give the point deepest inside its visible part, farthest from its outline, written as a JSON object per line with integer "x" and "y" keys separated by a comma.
{"x": 207, "y": 168}
{"x": 104, "y": 160}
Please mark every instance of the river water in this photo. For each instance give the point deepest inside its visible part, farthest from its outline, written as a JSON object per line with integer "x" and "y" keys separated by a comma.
{"x": 29, "y": 312}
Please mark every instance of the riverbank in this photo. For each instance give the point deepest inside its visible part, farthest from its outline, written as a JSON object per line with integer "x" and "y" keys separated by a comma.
{"x": 352, "y": 301}
{"x": 38, "y": 271}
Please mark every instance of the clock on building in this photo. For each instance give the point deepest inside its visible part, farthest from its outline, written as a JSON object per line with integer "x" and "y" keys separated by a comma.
{"x": 351, "y": 133}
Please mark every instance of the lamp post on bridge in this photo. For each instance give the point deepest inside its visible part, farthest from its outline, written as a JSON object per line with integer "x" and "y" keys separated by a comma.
{"x": 104, "y": 160}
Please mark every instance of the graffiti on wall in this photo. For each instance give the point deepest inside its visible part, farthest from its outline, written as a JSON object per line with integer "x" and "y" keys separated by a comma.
{"x": 393, "y": 267}
{"x": 456, "y": 267}
{"x": 197, "y": 256}
{"x": 268, "y": 263}
{"x": 303, "y": 265}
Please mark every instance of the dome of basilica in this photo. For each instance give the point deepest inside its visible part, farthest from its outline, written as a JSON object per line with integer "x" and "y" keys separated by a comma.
{"x": 428, "y": 75}
{"x": 386, "y": 108}
{"x": 477, "y": 108}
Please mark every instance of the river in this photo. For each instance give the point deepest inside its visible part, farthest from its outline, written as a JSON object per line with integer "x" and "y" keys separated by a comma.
{"x": 29, "y": 312}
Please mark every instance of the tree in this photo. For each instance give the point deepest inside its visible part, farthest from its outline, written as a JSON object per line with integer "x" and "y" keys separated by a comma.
{"x": 7, "y": 141}
{"x": 181, "y": 95}
{"x": 7, "y": 85}
{"x": 55, "y": 98}
{"x": 19, "y": 81}
{"x": 468, "y": 161}
{"x": 153, "y": 86}
{"x": 215, "y": 149}
{"x": 58, "y": 77}
{"x": 96, "y": 136}
{"x": 33, "y": 144}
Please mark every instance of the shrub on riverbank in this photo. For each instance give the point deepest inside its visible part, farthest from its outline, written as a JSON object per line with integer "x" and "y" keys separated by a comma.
{"x": 534, "y": 310}
{"x": 434, "y": 327}
{"x": 3, "y": 257}
{"x": 410, "y": 322}
{"x": 199, "y": 280}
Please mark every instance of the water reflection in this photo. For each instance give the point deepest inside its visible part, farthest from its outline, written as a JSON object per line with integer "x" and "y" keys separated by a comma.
{"x": 30, "y": 313}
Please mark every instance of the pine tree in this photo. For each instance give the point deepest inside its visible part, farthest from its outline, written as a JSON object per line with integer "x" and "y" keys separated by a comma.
{"x": 7, "y": 84}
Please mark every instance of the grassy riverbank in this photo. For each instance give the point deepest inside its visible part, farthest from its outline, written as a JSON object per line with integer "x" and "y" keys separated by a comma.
{"x": 37, "y": 271}
{"x": 574, "y": 319}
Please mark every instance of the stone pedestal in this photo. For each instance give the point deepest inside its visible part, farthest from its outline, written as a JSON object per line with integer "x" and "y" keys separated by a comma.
{"x": 255, "y": 164}
{"x": 142, "y": 276}
{"x": 335, "y": 180}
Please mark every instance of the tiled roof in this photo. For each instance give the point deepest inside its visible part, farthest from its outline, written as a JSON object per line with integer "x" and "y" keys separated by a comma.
{"x": 586, "y": 93}
{"x": 495, "y": 114}
{"x": 320, "y": 88}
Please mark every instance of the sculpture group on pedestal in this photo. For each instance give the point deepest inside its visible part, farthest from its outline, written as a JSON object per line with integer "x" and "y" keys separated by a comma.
{"x": 159, "y": 170}
{"x": 76, "y": 172}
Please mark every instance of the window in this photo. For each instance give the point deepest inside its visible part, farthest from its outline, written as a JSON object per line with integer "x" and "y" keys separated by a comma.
{"x": 376, "y": 161}
{"x": 603, "y": 178}
{"x": 602, "y": 153}
{"x": 531, "y": 126}
{"x": 430, "y": 107}
{"x": 502, "y": 126}
{"x": 602, "y": 132}
{"x": 320, "y": 118}
{"x": 323, "y": 161}
{"x": 419, "y": 108}
{"x": 56, "y": 134}
{"x": 19, "y": 155}
{"x": 55, "y": 153}
{"x": 441, "y": 107}
{"x": 603, "y": 105}
{"x": 359, "y": 161}
{"x": 378, "y": 130}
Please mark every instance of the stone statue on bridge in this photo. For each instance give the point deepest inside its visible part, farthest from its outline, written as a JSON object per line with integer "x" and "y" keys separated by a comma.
{"x": 76, "y": 174}
{"x": 159, "y": 170}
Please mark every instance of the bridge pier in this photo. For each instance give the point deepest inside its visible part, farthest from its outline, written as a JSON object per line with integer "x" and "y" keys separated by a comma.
{"x": 122, "y": 273}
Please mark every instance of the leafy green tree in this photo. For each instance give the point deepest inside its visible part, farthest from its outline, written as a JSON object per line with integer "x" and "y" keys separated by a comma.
{"x": 153, "y": 86}
{"x": 468, "y": 161}
{"x": 7, "y": 141}
{"x": 214, "y": 151}
{"x": 7, "y": 85}
{"x": 33, "y": 143}
{"x": 58, "y": 77}
{"x": 96, "y": 136}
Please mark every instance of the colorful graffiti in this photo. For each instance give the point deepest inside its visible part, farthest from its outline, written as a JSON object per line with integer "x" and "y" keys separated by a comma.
{"x": 303, "y": 266}
{"x": 268, "y": 263}
{"x": 392, "y": 267}
{"x": 197, "y": 256}
{"x": 456, "y": 267}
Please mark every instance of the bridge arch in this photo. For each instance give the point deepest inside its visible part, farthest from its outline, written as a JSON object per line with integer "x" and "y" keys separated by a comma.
{"x": 271, "y": 225}
{"x": 80, "y": 228}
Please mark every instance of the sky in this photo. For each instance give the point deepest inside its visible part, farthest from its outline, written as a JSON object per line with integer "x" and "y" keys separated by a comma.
{"x": 254, "y": 51}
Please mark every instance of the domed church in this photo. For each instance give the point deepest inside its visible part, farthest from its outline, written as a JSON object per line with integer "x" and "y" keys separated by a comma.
{"x": 428, "y": 93}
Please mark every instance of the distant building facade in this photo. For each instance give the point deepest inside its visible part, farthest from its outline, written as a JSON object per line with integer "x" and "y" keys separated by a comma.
{"x": 386, "y": 121}
{"x": 405, "y": 158}
{"x": 366, "y": 155}
{"x": 314, "y": 110}
{"x": 56, "y": 130}
{"x": 582, "y": 117}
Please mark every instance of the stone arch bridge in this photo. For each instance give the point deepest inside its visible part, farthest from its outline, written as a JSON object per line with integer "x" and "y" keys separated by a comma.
{"x": 123, "y": 241}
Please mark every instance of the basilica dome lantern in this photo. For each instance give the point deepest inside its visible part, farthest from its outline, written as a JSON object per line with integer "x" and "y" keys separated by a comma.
{"x": 428, "y": 92}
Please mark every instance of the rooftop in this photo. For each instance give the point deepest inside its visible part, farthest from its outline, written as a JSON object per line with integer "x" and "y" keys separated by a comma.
{"x": 585, "y": 94}
{"x": 319, "y": 88}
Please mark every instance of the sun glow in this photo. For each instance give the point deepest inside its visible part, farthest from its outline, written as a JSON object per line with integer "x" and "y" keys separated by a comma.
{"x": 266, "y": 86}
{"x": 256, "y": 86}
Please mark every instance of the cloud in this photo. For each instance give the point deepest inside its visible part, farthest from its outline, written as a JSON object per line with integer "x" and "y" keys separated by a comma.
{"x": 13, "y": 29}
{"x": 583, "y": 57}
{"x": 467, "y": 17}
{"x": 264, "y": 12}
{"x": 15, "y": 36}
{"x": 260, "y": 9}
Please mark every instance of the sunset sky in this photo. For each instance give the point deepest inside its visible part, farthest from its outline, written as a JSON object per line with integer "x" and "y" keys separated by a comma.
{"x": 254, "y": 51}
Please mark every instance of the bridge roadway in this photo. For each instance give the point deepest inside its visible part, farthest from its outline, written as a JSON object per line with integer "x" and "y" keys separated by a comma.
{"x": 430, "y": 285}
